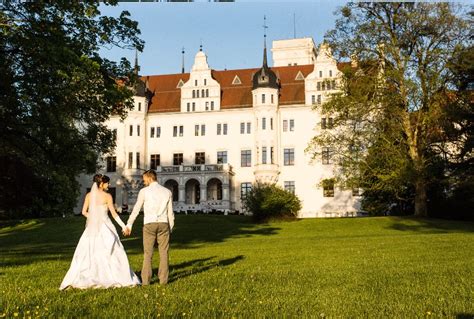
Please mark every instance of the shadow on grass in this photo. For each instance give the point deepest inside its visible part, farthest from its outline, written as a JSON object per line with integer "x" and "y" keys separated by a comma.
{"x": 194, "y": 267}
{"x": 465, "y": 316}
{"x": 430, "y": 225}
{"x": 55, "y": 239}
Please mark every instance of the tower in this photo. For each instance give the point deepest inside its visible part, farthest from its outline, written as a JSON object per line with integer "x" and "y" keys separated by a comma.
{"x": 265, "y": 91}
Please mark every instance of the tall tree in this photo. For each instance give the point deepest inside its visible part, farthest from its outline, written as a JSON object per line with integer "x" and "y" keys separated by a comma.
{"x": 387, "y": 115}
{"x": 55, "y": 93}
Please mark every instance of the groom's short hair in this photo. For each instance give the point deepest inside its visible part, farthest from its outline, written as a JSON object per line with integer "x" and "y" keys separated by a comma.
{"x": 150, "y": 174}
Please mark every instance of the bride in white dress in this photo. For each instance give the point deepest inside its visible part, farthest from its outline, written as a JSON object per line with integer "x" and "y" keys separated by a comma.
{"x": 100, "y": 260}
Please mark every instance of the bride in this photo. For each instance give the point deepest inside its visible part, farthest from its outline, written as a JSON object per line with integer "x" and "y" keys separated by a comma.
{"x": 100, "y": 260}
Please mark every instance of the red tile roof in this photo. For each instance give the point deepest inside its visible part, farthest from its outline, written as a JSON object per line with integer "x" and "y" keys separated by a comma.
{"x": 167, "y": 94}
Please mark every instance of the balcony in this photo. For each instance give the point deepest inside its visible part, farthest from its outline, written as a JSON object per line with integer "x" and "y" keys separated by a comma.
{"x": 211, "y": 168}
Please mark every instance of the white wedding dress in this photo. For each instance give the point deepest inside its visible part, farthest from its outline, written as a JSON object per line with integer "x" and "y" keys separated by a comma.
{"x": 100, "y": 260}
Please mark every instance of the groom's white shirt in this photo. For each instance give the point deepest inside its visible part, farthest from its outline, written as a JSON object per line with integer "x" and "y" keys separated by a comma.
{"x": 158, "y": 205}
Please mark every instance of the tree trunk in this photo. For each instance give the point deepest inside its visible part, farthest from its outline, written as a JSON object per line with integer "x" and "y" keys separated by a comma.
{"x": 421, "y": 208}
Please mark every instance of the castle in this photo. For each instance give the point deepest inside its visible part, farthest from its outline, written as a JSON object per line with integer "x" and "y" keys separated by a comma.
{"x": 211, "y": 134}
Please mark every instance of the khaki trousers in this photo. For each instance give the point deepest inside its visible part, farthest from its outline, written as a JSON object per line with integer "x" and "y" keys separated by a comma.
{"x": 160, "y": 233}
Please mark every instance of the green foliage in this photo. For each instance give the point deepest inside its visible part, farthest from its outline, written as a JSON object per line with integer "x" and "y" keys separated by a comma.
{"x": 267, "y": 201}
{"x": 55, "y": 94}
{"x": 388, "y": 134}
{"x": 230, "y": 267}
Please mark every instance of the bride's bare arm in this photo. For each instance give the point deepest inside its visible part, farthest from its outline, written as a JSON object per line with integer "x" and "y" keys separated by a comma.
{"x": 85, "y": 207}
{"x": 110, "y": 205}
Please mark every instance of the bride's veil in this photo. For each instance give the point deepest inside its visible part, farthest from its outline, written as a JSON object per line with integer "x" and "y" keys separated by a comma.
{"x": 94, "y": 219}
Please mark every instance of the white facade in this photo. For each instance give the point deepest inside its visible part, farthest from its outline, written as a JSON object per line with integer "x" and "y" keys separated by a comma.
{"x": 241, "y": 145}
{"x": 293, "y": 52}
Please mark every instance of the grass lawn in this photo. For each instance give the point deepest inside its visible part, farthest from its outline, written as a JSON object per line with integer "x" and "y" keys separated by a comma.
{"x": 226, "y": 267}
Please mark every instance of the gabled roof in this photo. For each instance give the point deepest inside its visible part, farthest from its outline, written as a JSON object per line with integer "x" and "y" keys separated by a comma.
{"x": 167, "y": 96}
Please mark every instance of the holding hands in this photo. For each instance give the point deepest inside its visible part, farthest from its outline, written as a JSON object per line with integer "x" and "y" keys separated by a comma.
{"x": 126, "y": 231}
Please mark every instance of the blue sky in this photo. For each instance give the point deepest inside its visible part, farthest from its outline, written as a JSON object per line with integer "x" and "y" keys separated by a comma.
{"x": 231, "y": 33}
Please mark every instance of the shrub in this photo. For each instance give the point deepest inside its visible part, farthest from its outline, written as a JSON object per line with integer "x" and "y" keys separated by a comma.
{"x": 267, "y": 201}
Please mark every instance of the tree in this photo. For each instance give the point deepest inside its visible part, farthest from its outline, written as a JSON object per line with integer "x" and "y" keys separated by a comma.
{"x": 55, "y": 94}
{"x": 266, "y": 201}
{"x": 388, "y": 112}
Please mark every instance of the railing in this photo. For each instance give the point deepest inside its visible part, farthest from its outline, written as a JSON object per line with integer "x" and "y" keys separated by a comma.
{"x": 195, "y": 168}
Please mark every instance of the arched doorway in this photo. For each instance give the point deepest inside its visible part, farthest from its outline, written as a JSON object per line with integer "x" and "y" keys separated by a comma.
{"x": 172, "y": 185}
{"x": 193, "y": 191}
{"x": 214, "y": 189}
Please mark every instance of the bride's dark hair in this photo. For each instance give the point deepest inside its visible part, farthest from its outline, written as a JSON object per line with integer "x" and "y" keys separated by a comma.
{"x": 100, "y": 178}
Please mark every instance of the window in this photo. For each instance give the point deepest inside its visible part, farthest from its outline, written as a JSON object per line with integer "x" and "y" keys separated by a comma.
{"x": 244, "y": 189}
{"x": 319, "y": 99}
{"x": 111, "y": 163}
{"x": 152, "y": 132}
{"x": 249, "y": 125}
{"x": 178, "y": 159}
{"x": 154, "y": 161}
{"x": 285, "y": 125}
{"x": 242, "y": 128}
{"x": 289, "y": 156}
{"x": 323, "y": 86}
{"x": 326, "y": 155}
{"x": 333, "y": 84}
{"x": 194, "y": 94}
{"x": 205, "y": 81}
{"x": 188, "y": 107}
{"x": 194, "y": 106}
{"x": 246, "y": 158}
{"x": 222, "y": 157}
{"x": 271, "y": 123}
{"x": 264, "y": 155}
{"x": 139, "y": 106}
{"x": 130, "y": 159}
{"x": 203, "y": 129}
{"x": 175, "y": 131}
{"x": 195, "y": 82}
{"x": 207, "y": 92}
{"x": 318, "y": 86}
{"x": 138, "y": 159}
{"x": 313, "y": 99}
{"x": 356, "y": 191}
{"x": 197, "y": 93}
{"x": 219, "y": 129}
{"x": 203, "y": 93}
{"x": 158, "y": 131}
{"x": 264, "y": 123}
{"x": 330, "y": 73}
{"x": 200, "y": 158}
{"x": 320, "y": 74}
{"x": 138, "y": 130}
{"x": 181, "y": 130}
{"x": 263, "y": 98}
{"x": 114, "y": 134}
{"x": 292, "y": 125}
{"x": 271, "y": 96}
{"x": 131, "y": 130}
{"x": 207, "y": 106}
{"x": 196, "y": 130}
{"x": 212, "y": 105}
{"x": 271, "y": 155}
{"x": 327, "y": 123}
{"x": 290, "y": 186}
{"x": 225, "y": 128}
{"x": 328, "y": 187}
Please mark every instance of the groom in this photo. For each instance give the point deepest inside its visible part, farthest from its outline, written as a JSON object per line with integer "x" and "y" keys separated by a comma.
{"x": 158, "y": 224}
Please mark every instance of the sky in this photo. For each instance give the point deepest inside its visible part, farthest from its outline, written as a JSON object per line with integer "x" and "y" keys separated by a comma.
{"x": 231, "y": 33}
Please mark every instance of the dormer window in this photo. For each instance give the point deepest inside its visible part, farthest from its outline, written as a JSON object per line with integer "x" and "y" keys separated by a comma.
{"x": 236, "y": 80}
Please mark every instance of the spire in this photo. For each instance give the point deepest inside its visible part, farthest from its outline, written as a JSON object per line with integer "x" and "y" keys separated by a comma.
{"x": 136, "y": 62}
{"x": 182, "y": 64}
{"x": 200, "y": 46}
{"x": 265, "y": 42}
